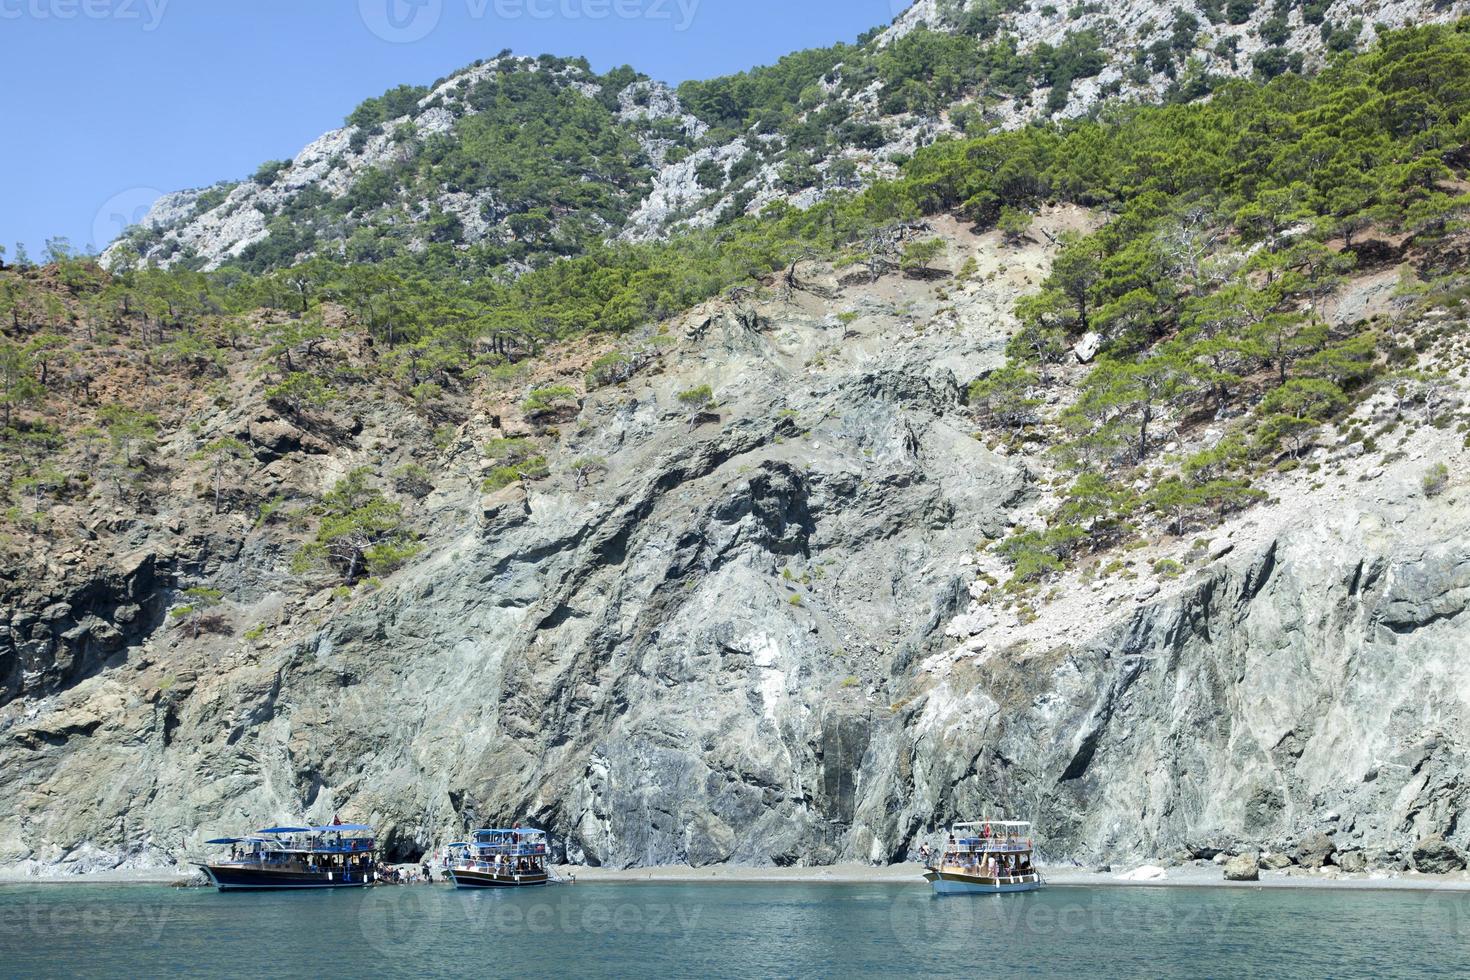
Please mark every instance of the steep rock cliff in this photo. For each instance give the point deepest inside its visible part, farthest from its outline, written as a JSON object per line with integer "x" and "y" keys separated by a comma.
{"x": 762, "y": 634}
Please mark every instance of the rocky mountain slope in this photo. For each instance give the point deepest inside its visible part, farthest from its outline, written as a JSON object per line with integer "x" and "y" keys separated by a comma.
{"x": 754, "y": 628}
{"x": 498, "y": 158}
{"x": 1111, "y": 477}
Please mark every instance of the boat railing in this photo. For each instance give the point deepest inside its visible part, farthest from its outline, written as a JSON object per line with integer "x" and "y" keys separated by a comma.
{"x": 288, "y": 847}
{"x": 511, "y": 850}
{"x": 989, "y": 845}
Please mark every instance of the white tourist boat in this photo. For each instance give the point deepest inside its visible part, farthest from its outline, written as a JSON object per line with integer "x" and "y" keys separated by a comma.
{"x": 987, "y": 857}
{"x": 506, "y": 858}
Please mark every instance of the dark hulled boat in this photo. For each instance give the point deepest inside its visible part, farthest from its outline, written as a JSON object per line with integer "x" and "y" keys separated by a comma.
{"x": 336, "y": 856}
{"x": 514, "y": 858}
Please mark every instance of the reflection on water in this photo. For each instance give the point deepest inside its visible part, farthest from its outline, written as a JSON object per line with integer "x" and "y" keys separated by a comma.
{"x": 732, "y": 930}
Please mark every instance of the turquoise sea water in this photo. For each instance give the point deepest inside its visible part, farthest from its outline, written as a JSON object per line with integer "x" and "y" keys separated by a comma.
{"x": 730, "y": 930}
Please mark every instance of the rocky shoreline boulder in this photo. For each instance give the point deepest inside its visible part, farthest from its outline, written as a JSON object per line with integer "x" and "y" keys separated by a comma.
{"x": 1436, "y": 856}
{"x": 1245, "y": 867}
{"x": 1315, "y": 850}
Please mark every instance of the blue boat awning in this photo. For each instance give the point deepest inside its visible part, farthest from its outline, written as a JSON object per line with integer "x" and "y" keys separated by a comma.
{"x": 285, "y": 830}
{"x": 226, "y": 840}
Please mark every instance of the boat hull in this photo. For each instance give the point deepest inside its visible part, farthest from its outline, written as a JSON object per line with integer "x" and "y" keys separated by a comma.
{"x": 229, "y": 878}
{"x": 959, "y": 883}
{"x": 486, "y": 879}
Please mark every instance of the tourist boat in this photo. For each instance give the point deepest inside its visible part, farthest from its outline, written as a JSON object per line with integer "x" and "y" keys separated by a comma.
{"x": 985, "y": 858}
{"x": 513, "y": 858}
{"x": 335, "y": 856}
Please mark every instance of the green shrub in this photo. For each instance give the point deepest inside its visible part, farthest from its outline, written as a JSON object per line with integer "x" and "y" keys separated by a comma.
{"x": 1168, "y": 568}
{"x": 699, "y": 398}
{"x": 609, "y": 369}
{"x": 1436, "y": 480}
{"x": 510, "y": 451}
{"x": 359, "y": 530}
{"x": 544, "y": 401}
{"x": 533, "y": 468}
{"x": 268, "y": 172}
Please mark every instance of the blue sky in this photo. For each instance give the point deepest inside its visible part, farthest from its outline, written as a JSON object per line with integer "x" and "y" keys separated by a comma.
{"x": 109, "y": 102}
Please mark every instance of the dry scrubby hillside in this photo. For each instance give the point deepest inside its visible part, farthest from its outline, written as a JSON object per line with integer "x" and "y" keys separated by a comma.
{"x": 1113, "y": 470}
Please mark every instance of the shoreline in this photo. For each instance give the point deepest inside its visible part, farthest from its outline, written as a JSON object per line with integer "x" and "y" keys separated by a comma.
{"x": 1054, "y": 877}
{"x": 1188, "y": 876}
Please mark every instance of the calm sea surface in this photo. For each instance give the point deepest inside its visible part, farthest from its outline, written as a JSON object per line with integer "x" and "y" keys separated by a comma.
{"x": 730, "y": 930}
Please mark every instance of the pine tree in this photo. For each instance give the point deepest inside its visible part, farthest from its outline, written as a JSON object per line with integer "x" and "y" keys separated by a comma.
{"x": 18, "y": 387}
{"x": 222, "y": 454}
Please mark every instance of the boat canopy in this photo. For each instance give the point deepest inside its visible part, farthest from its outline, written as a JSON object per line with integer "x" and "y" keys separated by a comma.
{"x": 285, "y": 830}
{"x": 992, "y": 823}
{"x": 226, "y": 840}
{"x": 523, "y": 831}
{"x": 342, "y": 828}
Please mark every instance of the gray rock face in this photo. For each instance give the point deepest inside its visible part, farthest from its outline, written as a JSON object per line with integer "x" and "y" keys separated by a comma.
{"x": 1244, "y": 867}
{"x": 740, "y": 644}
{"x": 1315, "y": 851}
{"x": 690, "y": 661}
{"x": 63, "y": 642}
{"x": 1279, "y": 682}
{"x": 1435, "y": 856}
